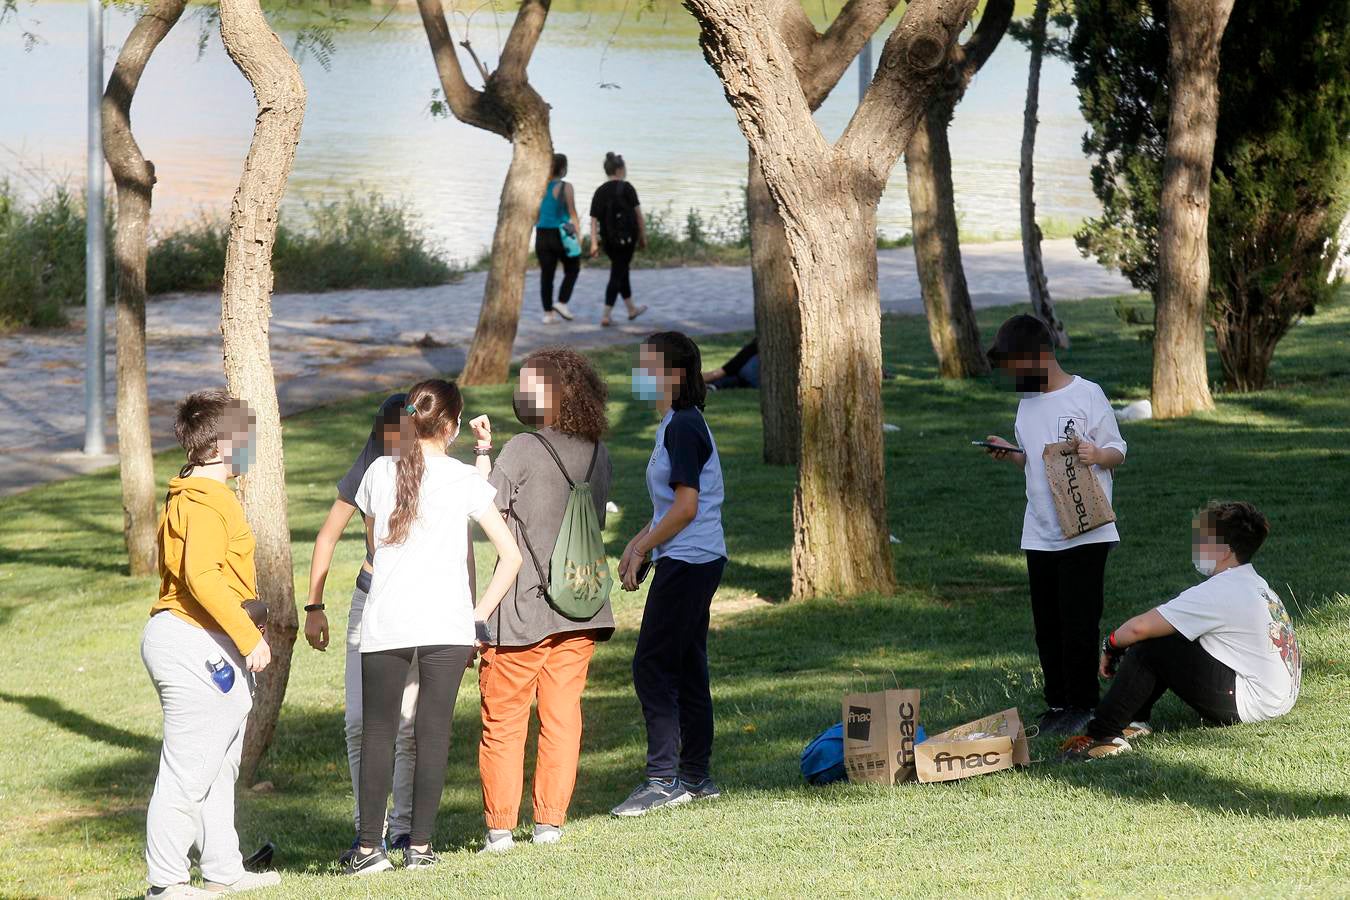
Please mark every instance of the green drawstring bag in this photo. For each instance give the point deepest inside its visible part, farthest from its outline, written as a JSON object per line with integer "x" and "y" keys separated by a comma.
{"x": 578, "y": 580}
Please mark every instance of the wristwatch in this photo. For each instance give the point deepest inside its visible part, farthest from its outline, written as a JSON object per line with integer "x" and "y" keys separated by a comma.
{"x": 313, "y": 607}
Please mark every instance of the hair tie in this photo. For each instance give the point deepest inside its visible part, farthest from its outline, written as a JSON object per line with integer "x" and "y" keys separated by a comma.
{"x": 410, "y": 409}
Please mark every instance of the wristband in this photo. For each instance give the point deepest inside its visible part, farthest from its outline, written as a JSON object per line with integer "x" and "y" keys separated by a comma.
{"x": 313, "y": 607}
{"x": 1110, "y": 647}
{"x": 480, "y": 632}
{"x": 482, "y": 451}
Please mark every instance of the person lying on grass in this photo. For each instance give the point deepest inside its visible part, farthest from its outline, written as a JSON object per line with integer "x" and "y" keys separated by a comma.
{"x": 1226, "y": 646}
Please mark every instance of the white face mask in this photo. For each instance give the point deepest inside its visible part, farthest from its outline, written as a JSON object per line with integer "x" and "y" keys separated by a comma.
{"x": 1204, "y": 565}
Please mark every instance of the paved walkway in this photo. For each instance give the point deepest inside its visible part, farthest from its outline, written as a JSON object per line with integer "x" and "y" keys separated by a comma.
{"x": 327, "y": 347}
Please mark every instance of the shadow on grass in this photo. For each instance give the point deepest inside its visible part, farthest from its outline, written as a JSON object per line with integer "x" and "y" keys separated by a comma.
{"x": 78, "y": 723}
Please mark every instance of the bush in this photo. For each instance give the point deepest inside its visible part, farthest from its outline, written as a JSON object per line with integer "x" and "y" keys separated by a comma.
{"x": 41, "y": 257}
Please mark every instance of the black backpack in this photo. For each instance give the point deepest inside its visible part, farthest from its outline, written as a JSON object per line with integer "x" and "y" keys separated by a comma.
{"x": 620, "y": 223}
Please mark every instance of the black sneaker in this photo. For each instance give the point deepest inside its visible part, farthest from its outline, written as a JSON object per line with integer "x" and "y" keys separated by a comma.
{"x": 1074, "y": 721}
{"x": 703, "y": 789}
{"x": 419, "y": 859}
{"x": 368, "y": 863}
{"x": 1048, "y": 721}
{"x": 653, "y": 793}
{"x": 347, "y": 854}
{"x": 400, "y": 842}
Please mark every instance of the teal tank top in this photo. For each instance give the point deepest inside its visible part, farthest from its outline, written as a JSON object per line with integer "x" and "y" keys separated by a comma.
{"x": 552, "y": 211}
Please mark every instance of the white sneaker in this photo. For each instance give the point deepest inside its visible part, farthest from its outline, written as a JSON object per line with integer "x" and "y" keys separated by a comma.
{"x": 562, "y": 310}
{"x": 550, "y": 318}
{"x": 500, "y": 844}
{"x": 249, "y": 881}
{"x": 546, "y": 834}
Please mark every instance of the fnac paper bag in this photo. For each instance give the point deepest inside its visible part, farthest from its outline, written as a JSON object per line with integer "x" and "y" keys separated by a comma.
{"x": 986, "y": 745}
{"x": 1080, "y": 502}
{"x": 879, "y": 730}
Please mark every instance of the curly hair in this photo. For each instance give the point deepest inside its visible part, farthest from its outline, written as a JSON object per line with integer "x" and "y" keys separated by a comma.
{"x": 581, "y": 401}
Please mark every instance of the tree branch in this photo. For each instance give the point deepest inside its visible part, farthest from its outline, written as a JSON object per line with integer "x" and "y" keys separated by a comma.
{"x": 124, "y": 156}
{"x": 971, "y": 56}
{"x": 465, "y": 101}
{"x": 842, "y": 41}
{"x": 523, "y": 38}
{"x": 913, "y": 63}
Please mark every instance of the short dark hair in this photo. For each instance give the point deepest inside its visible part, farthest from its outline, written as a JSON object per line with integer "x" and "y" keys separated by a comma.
{"x": 682, "y": 354}
{"x": 613, "y": 163}
{"x": 1238, "y": 524}
{"x": 1020, "y": 336}
{"x": 197, "y": 425}
{"x": 559, "y": 164}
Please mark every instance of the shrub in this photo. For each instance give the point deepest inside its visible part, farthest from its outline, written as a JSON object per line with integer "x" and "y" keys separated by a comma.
{"x": 41, "y": 257}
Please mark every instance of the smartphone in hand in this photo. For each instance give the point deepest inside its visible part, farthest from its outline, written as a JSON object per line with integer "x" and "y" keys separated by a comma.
{"x": 990, "y": 445}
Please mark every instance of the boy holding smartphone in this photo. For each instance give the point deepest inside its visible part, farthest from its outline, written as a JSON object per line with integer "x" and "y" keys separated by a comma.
{"x": 1066, "y": 575}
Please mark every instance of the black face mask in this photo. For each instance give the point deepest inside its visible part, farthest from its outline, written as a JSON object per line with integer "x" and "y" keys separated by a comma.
{"x": 526, "y": 411}
{"x": 1033, "y": 382}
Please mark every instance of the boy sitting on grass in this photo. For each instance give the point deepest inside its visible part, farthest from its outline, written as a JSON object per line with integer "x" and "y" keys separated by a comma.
{"x": 1067, "y": 574}
{"x": 1226, "y": 646}
{"x": 199, "y": 646}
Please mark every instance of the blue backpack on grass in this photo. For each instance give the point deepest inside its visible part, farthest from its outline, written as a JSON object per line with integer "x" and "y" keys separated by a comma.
{"x": 823, "y": 758}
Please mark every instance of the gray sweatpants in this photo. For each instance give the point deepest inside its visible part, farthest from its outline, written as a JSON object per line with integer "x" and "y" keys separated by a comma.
{"x": 193, "y": 802}
{"x": 405, "y": 748}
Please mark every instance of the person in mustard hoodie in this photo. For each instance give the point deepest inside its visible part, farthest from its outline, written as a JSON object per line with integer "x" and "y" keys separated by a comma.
{"x": 200, "y": 647}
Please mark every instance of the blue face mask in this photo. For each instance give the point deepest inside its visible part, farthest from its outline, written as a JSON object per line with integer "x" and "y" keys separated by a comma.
{"x": 241, "y": 458}
{"x": 646, "y": 386}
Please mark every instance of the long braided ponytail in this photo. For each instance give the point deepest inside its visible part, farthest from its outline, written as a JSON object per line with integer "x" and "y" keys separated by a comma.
{"x": 433, "y": 407}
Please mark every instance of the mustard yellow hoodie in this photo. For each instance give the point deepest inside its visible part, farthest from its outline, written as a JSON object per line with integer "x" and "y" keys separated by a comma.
{"x": 206, "y": 560}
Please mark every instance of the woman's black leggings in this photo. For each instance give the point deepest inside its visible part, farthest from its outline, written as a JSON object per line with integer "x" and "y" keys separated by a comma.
{"x": 619, "y": 260}
{"x": 548, "y": 247}
{"x": 440, "y": 669}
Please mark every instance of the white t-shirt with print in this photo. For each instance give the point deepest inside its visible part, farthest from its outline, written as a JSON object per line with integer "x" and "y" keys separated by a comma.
{"x": 1241, "y": 622}
{"x": 1043, "y": 419}
{"x": 419, "y": 595}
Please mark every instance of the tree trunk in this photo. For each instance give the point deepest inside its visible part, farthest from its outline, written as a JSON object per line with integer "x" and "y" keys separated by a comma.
{"x": 842, "y": 544}
{"x": 778, "y": 323}
{"x": 1038, "y": 286}
{"x": 134, "y": 177}
{"x": 246, "y": 305}
{"x": 489, "y": 358}
{"x": 1180, "y": 380}
{"x": 937, "y": 248}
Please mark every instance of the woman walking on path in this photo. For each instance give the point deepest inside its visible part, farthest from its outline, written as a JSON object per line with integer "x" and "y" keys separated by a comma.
{"x": 618, "y": 224}
{"x": 383, "y": 436}
{"x": 670, "y": 665}
{"x": 538, "y": 652}
{"x": 557, "y": 239}
{"x": 417, "y": 506}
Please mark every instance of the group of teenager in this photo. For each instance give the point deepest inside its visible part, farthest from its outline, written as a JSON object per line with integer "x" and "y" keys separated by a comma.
{"x": 417, "y": 620}
{"x": 1226, "y": 646}
{"x": 618, "y": 226}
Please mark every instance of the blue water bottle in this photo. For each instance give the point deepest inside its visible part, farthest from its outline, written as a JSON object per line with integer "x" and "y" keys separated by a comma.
{"x": 222, "y": 673}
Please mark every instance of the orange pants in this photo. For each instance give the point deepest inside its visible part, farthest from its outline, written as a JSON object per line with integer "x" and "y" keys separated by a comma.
{"x": 552, "y": 671}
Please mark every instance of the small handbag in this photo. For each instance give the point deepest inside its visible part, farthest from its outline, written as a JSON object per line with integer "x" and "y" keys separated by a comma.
{"x": 571, "y": 245}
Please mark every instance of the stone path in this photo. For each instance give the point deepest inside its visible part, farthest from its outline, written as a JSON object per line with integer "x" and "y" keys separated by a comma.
{"x": 327, "y": 347}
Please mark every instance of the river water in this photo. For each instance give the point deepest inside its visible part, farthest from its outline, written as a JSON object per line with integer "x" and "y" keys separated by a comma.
{"x": 618, "y": 81}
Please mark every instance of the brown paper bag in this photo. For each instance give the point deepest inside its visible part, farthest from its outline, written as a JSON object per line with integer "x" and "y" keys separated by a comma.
{"x": 1080, "y": 502}
{"x": 986, "y": 745}
{"x": 879, "y": 730}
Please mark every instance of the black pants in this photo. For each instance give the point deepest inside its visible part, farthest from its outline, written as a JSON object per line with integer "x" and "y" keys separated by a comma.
{"x": 440, "y": 669}
{"x": 548, "y": 247}
{"x": 670, "y": 668}
{"x": 619, "y": 260}
{"x": 1149, "y": 668}
{"x": 1067, "y": 588}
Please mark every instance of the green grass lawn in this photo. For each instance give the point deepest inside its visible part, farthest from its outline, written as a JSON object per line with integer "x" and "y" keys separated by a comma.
{"x": 1252, "y": 810}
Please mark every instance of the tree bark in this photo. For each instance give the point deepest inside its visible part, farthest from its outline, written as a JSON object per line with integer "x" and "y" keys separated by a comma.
{"x": 1180, "y": 379}
{"x": 246, "y": 305}
{"x": 510, "y": 107}
{"x": 820, "y": 60}
{"x": 1038, "y": 286}
{"x": 827, "y": 198}
{"x": 489, "y": 358}
{"x": 134, "y": 177}
{"x": 952, "y": 329}
{"x": 778, "y": 325}
{"x": 937, "y": 249}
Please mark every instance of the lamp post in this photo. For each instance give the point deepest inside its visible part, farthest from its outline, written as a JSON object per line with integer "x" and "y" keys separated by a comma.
{"x": 864, "y": 68}
{"x": 94, "y": 256}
